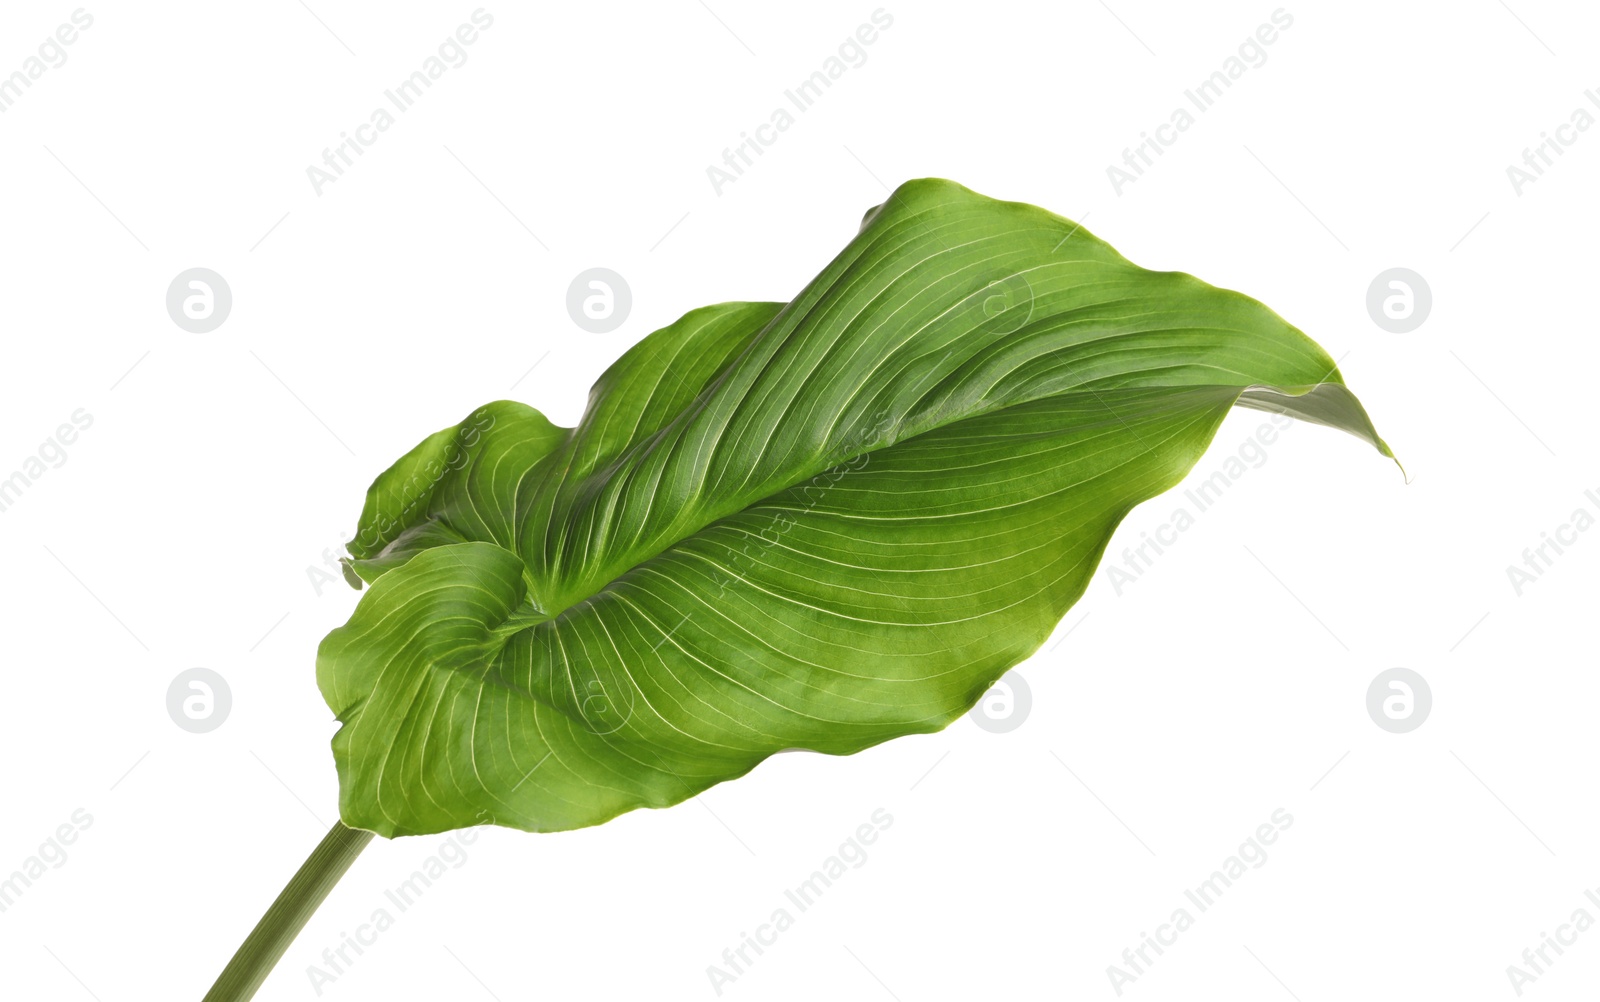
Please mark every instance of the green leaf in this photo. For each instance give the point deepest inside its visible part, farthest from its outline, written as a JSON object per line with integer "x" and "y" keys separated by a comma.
{"x": 820, "y": 524}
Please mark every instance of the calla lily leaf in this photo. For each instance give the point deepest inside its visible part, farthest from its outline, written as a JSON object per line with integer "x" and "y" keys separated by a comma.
{"x": 819, "y": 524}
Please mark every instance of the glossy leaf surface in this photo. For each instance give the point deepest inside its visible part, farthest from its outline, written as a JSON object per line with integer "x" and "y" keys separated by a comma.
{"x": 820, "y": 524}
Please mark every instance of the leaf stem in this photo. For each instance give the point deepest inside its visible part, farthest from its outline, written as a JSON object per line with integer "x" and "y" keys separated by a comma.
{"x": 293, "y": 908}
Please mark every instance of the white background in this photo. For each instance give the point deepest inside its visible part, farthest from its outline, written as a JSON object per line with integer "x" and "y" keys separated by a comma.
{"x": 1178, "y": 715}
